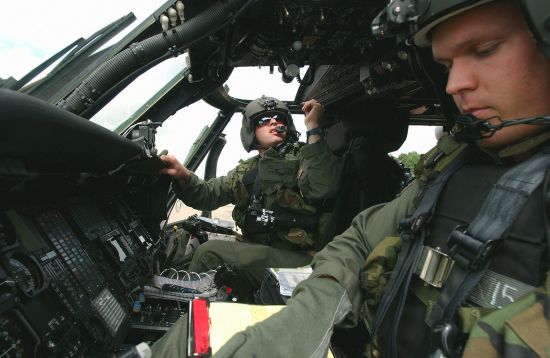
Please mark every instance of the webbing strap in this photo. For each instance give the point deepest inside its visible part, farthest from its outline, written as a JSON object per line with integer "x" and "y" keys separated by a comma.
{"x": 256, "y": 189}
{"x": 473, "y": 248}
{"x": 426, "y": 207}
{"x": 493, "y": 291}
{"x": 413, "y": 234}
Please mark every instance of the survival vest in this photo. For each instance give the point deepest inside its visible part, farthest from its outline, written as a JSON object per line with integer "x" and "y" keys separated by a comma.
{"x": 518, "y": 267}
{"x": 294, "y": 224}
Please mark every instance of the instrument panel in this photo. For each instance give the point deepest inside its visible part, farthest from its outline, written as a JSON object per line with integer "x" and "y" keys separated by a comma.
{"x": 71, "y": 268}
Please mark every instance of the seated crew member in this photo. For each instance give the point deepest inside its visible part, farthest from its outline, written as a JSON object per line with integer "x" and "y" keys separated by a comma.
{"x": 495, "y": 68}
{"x": 290, "y": 223}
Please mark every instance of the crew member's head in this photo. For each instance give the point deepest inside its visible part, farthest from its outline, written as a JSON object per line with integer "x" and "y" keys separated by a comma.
{"x": 494, "y": 67}
{"x": 261, "y": 117}
{"x": 496, "y": 54}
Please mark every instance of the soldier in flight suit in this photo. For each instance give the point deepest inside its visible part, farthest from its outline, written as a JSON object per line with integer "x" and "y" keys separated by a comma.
{"x": 497, "y": 66}
{"x": 276, "y": 193}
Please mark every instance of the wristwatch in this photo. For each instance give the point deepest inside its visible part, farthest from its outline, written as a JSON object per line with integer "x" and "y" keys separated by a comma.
{"x": 317, "y": 130}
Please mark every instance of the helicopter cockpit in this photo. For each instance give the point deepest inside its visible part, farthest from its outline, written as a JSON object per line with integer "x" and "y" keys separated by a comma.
{"x": 83, "y": 212}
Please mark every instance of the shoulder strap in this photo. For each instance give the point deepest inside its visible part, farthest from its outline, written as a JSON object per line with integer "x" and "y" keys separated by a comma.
{"x": 413, "y": 233}
{"x": 250, "y": 175}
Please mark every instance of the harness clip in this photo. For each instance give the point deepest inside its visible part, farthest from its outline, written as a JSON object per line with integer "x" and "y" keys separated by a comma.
{"x": 413, "y": 224}
{"x": 469, "y": 252}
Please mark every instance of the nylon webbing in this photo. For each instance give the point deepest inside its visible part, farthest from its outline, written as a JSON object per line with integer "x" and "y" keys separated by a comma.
{"x": 256, "y": 189}
{"x": 411, "y": 247}
{"x": 495, "y": 218}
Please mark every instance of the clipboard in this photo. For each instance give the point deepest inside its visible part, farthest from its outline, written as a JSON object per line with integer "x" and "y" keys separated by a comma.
{"x": 224, "y": 320}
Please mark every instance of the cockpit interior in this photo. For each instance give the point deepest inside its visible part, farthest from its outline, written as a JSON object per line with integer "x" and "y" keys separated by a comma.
{"x": 83, "y": 212}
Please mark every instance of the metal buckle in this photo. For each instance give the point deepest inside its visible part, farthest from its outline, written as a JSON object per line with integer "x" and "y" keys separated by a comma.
{"x": 433, "y": 266}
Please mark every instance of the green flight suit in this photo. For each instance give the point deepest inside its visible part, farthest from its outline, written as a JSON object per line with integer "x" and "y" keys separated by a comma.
{"x": 318, "y": 179}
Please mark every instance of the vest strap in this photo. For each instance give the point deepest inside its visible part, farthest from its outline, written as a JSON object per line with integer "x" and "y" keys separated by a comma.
{"x": 413, "y": 233}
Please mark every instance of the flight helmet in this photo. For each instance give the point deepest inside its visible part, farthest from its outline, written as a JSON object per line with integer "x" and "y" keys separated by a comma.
{"x": 411, "y": 22}
{"x": 260, "y": 110}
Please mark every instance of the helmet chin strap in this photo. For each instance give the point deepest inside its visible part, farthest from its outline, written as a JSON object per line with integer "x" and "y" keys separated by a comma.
{"x": 472, "y": 129}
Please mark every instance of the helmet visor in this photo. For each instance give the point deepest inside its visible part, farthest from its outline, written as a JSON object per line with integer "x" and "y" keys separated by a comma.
{"x": 265, "y": 117}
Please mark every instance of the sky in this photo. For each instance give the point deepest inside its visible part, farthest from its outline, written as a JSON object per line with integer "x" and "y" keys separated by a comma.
{"x": 33, "y": 31}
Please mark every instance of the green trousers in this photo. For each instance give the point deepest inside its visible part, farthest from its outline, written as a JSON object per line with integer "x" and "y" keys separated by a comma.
{"x": 174, "y": 343}
{"x": 250, "y": 260}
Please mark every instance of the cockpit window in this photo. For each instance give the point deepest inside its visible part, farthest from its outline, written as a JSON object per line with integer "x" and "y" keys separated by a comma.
{"x": 128, "y": 104}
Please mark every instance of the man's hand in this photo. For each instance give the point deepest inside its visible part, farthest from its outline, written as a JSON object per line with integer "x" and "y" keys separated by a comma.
{"x": 314, "y": 112}
{"x": 176, "y": 170}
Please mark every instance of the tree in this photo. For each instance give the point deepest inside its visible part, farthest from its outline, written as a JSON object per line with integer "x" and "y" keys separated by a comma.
{"x": 409, "y": 159}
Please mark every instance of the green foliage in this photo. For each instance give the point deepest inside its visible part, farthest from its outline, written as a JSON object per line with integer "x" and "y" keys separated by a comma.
{"x": 409, "y": 159}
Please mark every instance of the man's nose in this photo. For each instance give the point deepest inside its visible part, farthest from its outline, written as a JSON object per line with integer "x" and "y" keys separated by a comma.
{"x": 461, "y": 78}
{"x": 272, "y": 121}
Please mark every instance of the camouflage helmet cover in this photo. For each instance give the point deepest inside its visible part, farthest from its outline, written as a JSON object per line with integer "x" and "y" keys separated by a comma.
{"x": 254, "y": 110}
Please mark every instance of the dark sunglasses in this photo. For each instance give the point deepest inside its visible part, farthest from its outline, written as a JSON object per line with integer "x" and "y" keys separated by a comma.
{"x": 260, "y": 121}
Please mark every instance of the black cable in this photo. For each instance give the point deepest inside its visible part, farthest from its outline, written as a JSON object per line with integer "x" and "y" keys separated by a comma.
{"x": 545, "y": 207}
{"x": 72, "y": 104}
{"x": 310, "y": 76}
{"x": 88, "y": 113}
{"x": 473, "y": 129}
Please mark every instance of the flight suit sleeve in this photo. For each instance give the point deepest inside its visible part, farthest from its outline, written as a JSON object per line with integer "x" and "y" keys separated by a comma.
{"x": 301, "y": 329}
{"x": 320, "y": 172}
{"x": 206, "y": 195}
{"x": 345, "y": 256}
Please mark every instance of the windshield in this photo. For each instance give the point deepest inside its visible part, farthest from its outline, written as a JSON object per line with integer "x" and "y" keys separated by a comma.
{"x": 118, "y": 114}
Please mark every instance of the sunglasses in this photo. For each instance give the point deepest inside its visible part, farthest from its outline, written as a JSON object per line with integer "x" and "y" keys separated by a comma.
{"x": 260, "y": 121}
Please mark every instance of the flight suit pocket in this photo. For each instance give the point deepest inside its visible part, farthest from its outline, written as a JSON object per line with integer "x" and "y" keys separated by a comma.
{"x": 288, "y": 199}
{"x": 299, "y": 237}
{"x": 282, "y": 170}
{"x": 239, "y": 192}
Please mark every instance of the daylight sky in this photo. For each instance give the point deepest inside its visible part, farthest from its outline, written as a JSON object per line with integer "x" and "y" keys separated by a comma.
{"x": 32, "y": 31}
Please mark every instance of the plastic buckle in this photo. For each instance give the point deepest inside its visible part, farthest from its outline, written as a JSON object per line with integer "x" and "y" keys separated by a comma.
{"x": 469, "y": 252}
{"x": 255, "y": 207}
{"x": 411, "y": 224}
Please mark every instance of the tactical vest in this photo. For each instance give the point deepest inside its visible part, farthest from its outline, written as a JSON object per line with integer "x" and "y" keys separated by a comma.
{"x": 522, "y": 257}
{"x": 296, "y": 226}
